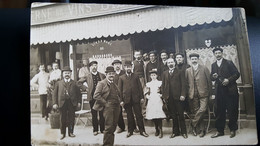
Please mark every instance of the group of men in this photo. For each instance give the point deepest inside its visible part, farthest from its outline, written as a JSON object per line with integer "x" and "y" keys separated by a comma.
{"x": 122, "y": 88}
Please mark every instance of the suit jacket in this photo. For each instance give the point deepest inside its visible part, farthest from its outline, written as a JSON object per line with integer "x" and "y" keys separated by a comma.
{"x": 179, "y": 86}
{"x": 59, "y": 93}
{"x": 130, "y": 87}
{"x": 116, "y": 78}
{"x": 226, "y": 70}
{"x": 101, "y": 93}
{"x": 161, "y": 68}
{"x": 204, "y": 85}
{"x": 90, "y": 84}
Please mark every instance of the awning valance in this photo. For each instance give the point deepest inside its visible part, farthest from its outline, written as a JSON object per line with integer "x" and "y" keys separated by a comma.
{"x": 149, "y": 19}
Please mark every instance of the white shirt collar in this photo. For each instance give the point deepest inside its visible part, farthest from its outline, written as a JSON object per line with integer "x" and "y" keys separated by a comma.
{"x": 94, "y": 73}
{"x": 171, "y": 69}
{"x": 67, "y": 80}
{"x": 195, "y": 67}
{"x": 219, "y": 62}
{"x": 118, "y": 72}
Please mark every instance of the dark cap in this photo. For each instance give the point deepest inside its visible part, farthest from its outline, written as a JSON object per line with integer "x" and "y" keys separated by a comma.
{"x": 128, "y": 63}
{"x": 116, "y": 61}
{"x": 154, "y": 70}
{"x": 92, "y": 62}
{"x": 194, "y": 55}
{"x": 110, "y": 69}
{"x": 151, "y": 52}
{"x": 163, "y": 51}
{"x": 66, "y": 68}
{"x": 217, "y": 49}
{"x": 179, "y": 54}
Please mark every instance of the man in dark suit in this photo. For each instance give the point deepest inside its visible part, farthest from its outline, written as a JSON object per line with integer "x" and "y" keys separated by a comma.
{"x": 173, "y": 92}
{"x": 66, "y": 97}
{"x": 182, "y": 66}
{"x": 199, "y": 89}
{"x": 89, "y": 83}
{"x": 117, "y": 66}
{"x": 162, "y": 64}
{"x": 107, "y": 96}
{"x": 225, "y": 73}
{"x": 132, "y": 94}
{"x": 151, "y": 64}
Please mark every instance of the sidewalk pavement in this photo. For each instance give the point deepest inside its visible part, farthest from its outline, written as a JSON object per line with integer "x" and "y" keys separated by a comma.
{"x": 42, "y": 134}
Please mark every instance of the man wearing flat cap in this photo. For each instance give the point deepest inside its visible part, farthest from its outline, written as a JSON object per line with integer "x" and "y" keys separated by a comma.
{"x": 108, "y": 99}
{"x": 66, "y": 97}
{"x": 151, "y": 64}
{"x": 89, "y": 83}
{"x": 162, "y": 64}
{"x": 132, "y": 95}
{"x": 199, "y": 88}
{"x": 225, "y": 73}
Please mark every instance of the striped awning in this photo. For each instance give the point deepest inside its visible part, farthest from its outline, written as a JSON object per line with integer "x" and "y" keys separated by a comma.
{"x": 150, "y": 18}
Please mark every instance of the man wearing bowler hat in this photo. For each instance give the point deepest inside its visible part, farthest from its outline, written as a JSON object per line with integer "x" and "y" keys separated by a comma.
{"x": 89, "y": 83}
{"x": 66, "y": 97}
{"x": 107, "y": 96}
{"x": 132, "y": 94}
{"x": 225, "y": 73}
{"x": 199, "y": 88}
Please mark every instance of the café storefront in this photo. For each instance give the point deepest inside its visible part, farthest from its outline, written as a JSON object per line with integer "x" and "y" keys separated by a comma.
{"x": 71, "y": 32}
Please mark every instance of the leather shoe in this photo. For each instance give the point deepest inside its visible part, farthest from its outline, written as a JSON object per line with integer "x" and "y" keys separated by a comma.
{"x": 144, "y": 134}
{"x": 129, "y": 134}
{"x": 157, "y": 132}
{"x": 173, "y": 135}
{"x": 95, "y": 133}
{"x": 217, "y": 134}
{"x": 136, "y": 131}
{"x": 202, "y": 133}
{"x": 72, "y": 135}
{"x": 185, "y": 136}
{"x": 62, "y": 137}
{"x": 233, "y": 134}
{"x": 120, "y": 130}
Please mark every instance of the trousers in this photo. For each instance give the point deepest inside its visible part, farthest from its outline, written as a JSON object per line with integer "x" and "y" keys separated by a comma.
{"x": 111, "y": 114}
{"x": 95, "y": 121}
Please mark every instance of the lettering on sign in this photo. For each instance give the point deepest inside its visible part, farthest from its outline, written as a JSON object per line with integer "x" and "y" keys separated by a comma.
{"x": 62, "y": 12}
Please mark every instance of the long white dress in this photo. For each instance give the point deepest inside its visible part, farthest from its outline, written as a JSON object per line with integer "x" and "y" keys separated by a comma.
{"x": 154, "y": 105}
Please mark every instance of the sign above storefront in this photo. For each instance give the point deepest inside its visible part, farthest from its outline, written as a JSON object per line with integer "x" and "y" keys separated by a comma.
{"x": 42, "y": 13}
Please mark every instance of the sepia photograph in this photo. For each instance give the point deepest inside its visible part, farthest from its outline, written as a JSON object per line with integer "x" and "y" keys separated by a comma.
{"x": 117, "y": 74}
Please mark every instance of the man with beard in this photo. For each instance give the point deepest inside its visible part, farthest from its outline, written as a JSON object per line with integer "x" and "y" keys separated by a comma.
{"x": 179, "y": 57}
{"x": 162, "y": 64}
{"x": 173, "y": 93}
{"x": 89, "y": 83}
{"x": 132, "y": 94}
{"x": 119, "y": 72}
{"x": 225, "y": 73}
{"x": 66, "y": 97}
{"x": 107, "y": 96}
{"x": 151, "y": 64}
{"x": 199, "y": 90}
